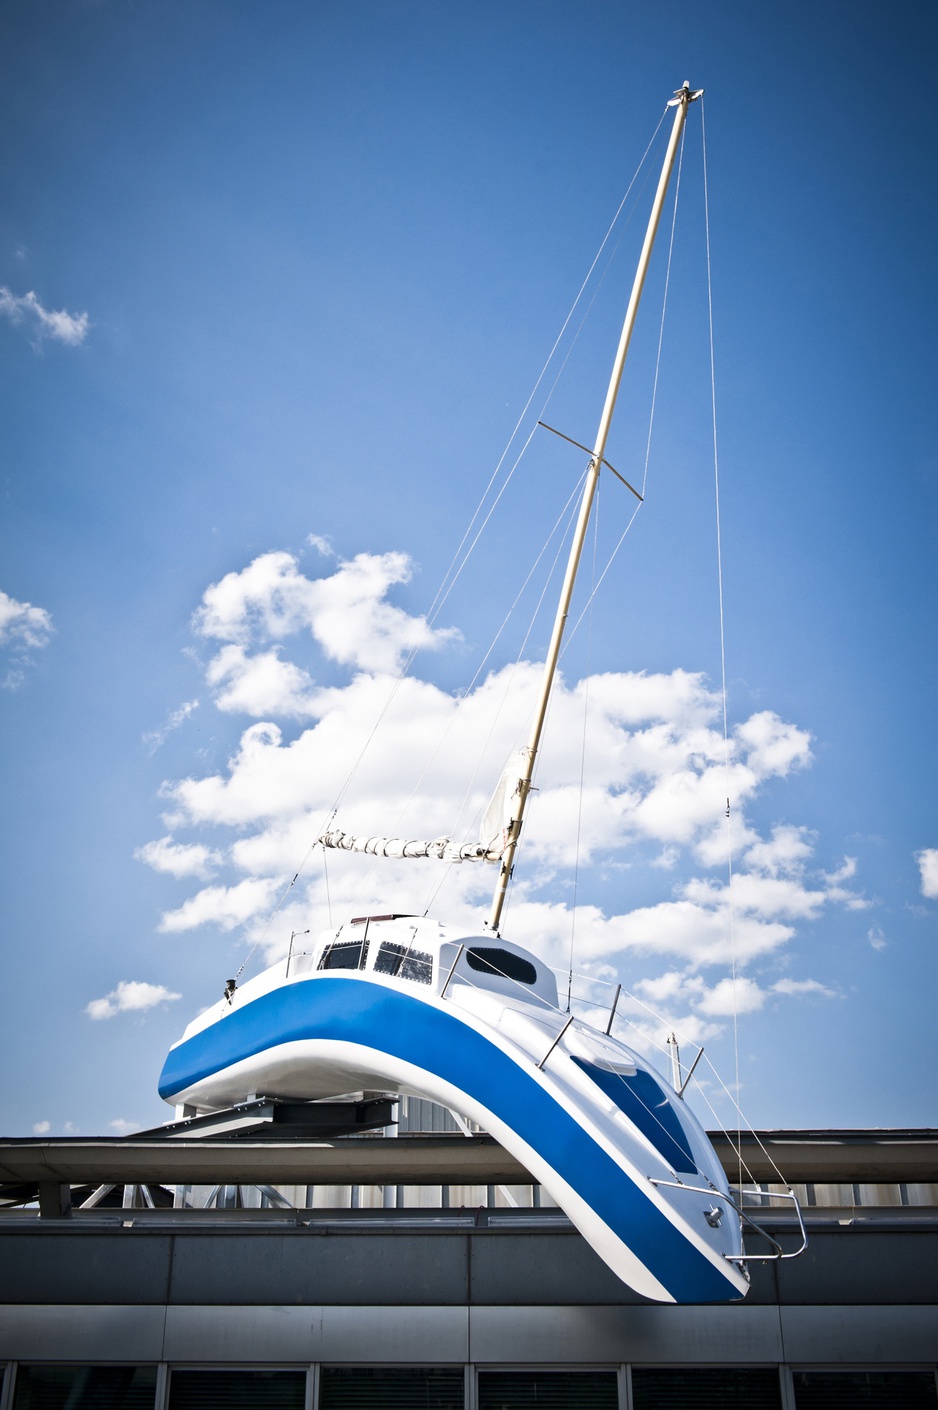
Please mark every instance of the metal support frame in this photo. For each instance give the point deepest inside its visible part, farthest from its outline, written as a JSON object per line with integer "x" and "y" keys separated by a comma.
{"x": 555, "y": 1042}
{"x": 452, "y": 971}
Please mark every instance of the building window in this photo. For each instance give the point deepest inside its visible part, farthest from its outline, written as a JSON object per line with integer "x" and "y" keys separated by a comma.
{"x": 548, "y": 1390}
{"x": 865, "y": 1390}
{"x": 391, "y": 1388}
{"x": 706, "y": 1388}
{"x": 237, "y": 1390}
{"x": 84, "y": 1388}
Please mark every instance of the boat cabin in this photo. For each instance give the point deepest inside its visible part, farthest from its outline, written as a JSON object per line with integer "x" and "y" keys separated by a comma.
{"x": 423, "y": 951}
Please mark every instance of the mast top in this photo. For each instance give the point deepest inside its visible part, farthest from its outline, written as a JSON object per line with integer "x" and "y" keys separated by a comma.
{"x": 685, "y": 94}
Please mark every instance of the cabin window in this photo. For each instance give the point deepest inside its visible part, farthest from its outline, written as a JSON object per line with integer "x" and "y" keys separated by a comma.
{"x": 491, "y": 960}
{"x": 394, "y": 958}
{"x": 345, "y": 954}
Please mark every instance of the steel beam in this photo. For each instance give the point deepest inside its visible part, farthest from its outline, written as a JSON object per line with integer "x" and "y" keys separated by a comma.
{"x": 815, "y": 1156}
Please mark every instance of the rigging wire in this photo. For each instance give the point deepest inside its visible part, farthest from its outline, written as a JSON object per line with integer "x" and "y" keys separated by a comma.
{"x": 453, "y": 572}
{"x": 654, "y": 392}
{"x": 726, "y": 736}
{"x": 567, "y": 512}
{"x": 457, "y": 565}
{"x": 445, "y": 587}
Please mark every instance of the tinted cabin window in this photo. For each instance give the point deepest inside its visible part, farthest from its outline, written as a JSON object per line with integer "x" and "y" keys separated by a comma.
{"x": 490, "y": 960}
{"x": 347, "y": 954}
{"x": 393, "y": 958}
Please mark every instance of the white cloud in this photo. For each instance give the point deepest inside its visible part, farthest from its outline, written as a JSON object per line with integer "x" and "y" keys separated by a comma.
{"x": 122, "y": 1127}
{"x": 23, "y": 630}
{"x": 41, "y": 1128}
{"x": 130, "y": 996}
{"x": 22, "y": 624}
{"x": 731, "y": 996}
{"x": 346, "y": 612}
{"x": 178, "y": 858}
{"x": 25, "y": 309}
{"x": 653, "y": 775}
{"x": 785, "y": 851}
{"x": 793, "y": 987}
{"x": 775, "y": 748}
{"x": 224, "y": 906}
{"x": 154, "y": 738}
{"x": 876, "y": 937}
{"x": 655, "y": 780}
{"x": 260, "y": 685}
{"x": 928, "y": 866}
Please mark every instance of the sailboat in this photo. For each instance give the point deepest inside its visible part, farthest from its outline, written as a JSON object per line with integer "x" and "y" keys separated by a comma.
{"x": 409, "y": 1005}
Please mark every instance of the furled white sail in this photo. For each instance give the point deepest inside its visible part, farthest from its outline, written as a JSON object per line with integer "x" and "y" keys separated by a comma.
{"x": 442, "y": 848}
{"x": 493, "y": 834}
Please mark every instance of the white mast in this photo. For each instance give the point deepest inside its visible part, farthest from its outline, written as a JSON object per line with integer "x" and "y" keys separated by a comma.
{"x": 681, "y": 102}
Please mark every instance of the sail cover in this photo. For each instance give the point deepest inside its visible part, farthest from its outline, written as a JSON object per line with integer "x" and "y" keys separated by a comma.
{"x": 493, "y": 834}
{"x": 442, "y": 848}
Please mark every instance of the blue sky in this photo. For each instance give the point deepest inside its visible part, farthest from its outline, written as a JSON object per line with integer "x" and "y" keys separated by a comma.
{"x": 281, "y": 271}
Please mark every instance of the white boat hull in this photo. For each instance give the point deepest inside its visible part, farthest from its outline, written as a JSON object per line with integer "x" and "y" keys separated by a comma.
{"x": 328, "y": 1033}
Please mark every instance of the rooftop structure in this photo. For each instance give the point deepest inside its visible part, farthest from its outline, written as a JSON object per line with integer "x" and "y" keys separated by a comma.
{"x": 426, "y": 1271}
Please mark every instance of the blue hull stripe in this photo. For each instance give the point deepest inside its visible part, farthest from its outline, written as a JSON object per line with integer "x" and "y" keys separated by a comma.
{"x": 354, "y": 1011}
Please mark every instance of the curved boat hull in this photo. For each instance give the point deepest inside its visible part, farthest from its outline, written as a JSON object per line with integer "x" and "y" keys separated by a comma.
{"x": 326, "y": 1034}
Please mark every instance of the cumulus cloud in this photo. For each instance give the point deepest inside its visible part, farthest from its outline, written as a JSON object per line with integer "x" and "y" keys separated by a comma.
{"x": 347, "y": 612}
{"x": 178, "y": 858}
{"x": 42, "y": 1128}
{"x": 122, "y": 1126}
{"x": 25, "y": 310}
{"x": 260, "y": 685}
{"x": 23, "y": 630}
{"x": 649, "y": 794}
{"x": 803, "y": 986}
{"x": 130, "y": 996}
{"x": 22, "y": 623}
{"x": 928, "y": 866}
{"x": 224, "y": 906}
